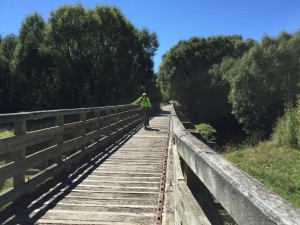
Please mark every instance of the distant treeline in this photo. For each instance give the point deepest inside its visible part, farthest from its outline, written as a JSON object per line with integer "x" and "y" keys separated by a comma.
{"x": 228, "y": 81}
{"x": 79, "y": 58}
{"x": 92, "y": 57}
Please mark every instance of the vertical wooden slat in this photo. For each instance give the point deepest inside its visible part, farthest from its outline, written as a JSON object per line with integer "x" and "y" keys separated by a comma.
{"x": 98, "y": 115}
{"x": 108, "y": 113}
{"x": 118, "y": 118}
{"x": 59, "y": 121}
{"x": 81, "y": 132}
{"x": 82, "y": 118}
{"x": 19, "y": 129}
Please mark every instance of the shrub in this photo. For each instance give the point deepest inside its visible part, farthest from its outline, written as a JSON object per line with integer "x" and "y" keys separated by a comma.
{"x": 207, "y": 131}
{"x": 287, "y": 130}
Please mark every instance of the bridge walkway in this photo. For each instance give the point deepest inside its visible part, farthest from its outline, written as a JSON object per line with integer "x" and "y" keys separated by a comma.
{"x": 119, "y": 185}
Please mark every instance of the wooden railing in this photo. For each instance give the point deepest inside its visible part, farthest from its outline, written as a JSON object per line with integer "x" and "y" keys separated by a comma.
{"x": 50, "y": 142}
{"x": 245, "y": 199}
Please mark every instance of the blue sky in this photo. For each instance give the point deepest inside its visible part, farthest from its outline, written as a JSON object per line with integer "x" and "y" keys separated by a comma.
{"x": 175, "y": 20}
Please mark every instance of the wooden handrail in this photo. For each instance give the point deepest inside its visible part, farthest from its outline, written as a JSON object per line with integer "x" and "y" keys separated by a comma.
{"x": 244, "y": 198}
{"x": 55, "y": 148}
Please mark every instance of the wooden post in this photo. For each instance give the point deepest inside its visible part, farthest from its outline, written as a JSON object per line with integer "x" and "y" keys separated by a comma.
{"x": 98, "y": 115}
{"x": 108, "y": 113}
{"x": 118, "y": 119}
{"x": 59, "y": 121}
{"x": 82, "y": 118}
{"x": 202, "y": 195}
{"x": 81, "y": 132}
{"x": 19, "y": 154}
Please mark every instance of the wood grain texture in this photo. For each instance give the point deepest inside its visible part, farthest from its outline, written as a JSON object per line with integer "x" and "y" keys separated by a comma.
{"x": 118, "y": 185}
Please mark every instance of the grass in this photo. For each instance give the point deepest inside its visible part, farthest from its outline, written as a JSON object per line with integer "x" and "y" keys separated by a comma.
{"x": 207, "y": 131}
{"x": 6, "y": 133}
{"x": 278, "y": 168}
{"x": 8, "y": 183}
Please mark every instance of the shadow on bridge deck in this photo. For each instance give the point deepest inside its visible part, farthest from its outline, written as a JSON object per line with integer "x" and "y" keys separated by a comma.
{"x": 118, "y": 183}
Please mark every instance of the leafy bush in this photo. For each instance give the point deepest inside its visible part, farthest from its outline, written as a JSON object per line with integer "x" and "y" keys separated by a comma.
{"x": 287, "y": 131}
{"x": 263, "y": 81}
{"x": 207, "y": 131}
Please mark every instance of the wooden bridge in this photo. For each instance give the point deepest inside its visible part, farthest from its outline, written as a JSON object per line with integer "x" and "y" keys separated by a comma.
{"x": 99, "y": 166}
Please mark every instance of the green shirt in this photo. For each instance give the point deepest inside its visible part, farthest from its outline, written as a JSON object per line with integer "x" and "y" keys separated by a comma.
{"x": 145, "y": 102}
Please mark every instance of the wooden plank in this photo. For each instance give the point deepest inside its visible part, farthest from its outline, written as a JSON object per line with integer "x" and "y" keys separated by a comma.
{"x": 88, "y": 124}
{"x": 187, "y": 207}
{"x": 188, "y": 210}
{"x": 72, "y": 222}
{"x": 13, "y": 117}
{"x": 10, "y": 144}
{"x": 11, "y": 169}
{"x": 19, "y": 154}
{"x": 70, "y": 215}
{"x": 13, "y": 193}
{"x": 177, "y": 167}
{"x": 168, "y": 216}
{"x": 89, "y": 196}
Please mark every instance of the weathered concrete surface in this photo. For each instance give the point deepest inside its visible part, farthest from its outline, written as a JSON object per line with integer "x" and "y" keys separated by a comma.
{"x": 120, "y": 185}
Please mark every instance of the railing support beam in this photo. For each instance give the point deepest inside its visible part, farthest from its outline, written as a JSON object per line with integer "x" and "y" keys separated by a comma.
{"x": 19, "y": 129}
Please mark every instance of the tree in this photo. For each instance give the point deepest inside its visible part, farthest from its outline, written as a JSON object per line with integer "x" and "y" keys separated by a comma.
{"x": 186, "y": 75}
{"x": 80, "y": 58}
{"x": 263, "y": 81}
{"x": 7, "y": 47}
{"x": 66, "y": 45}
{"x": 28, "y": 65}
{"x": 102, "y": 63}
{"x": 143, "y": 73}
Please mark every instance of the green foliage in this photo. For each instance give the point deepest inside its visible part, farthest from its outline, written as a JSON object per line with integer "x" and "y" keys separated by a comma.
{"x": 263, "y": 81}
{"x": 106, "y": 61}
{"x": 207, "y": 131}
{"x": 187, "y": 75}
{"x": 218, "y": 77}
{"x": 79, "y": 58}
{"x": 287, "y": 130}
{"x": 7, "y": 47}
{"x": 28, "y": 64}
{"x": 276, "y": 167}
{"x": 192, "y": 73}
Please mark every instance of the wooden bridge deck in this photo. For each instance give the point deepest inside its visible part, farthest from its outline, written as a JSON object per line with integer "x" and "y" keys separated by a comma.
{"x": 118, "y": 185}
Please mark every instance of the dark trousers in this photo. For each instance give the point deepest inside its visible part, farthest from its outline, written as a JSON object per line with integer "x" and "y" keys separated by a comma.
{"x": 146, "y": 111}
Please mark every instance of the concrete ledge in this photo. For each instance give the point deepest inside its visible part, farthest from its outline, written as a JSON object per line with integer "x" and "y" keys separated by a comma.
{"x": 245, "y": 199}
